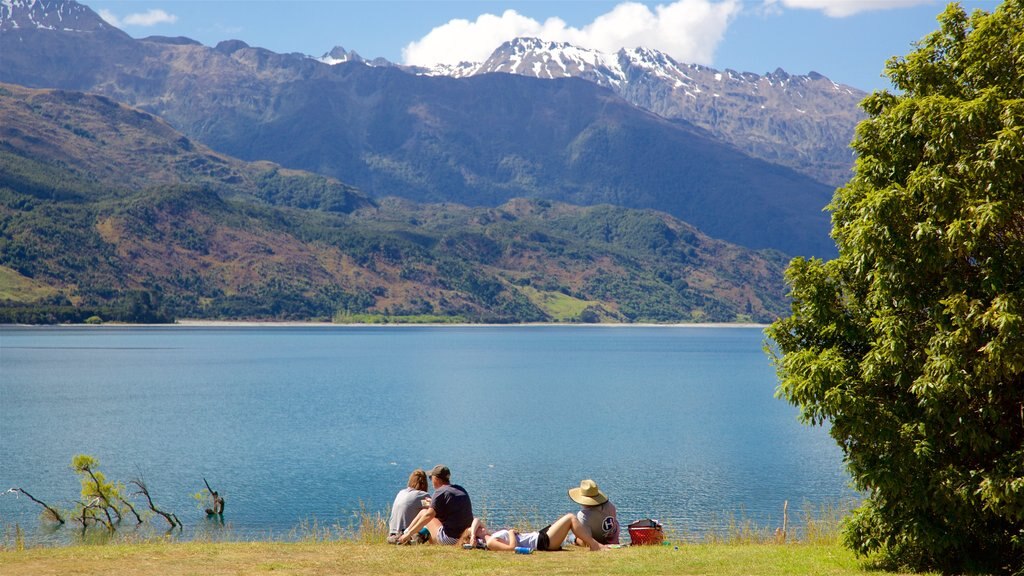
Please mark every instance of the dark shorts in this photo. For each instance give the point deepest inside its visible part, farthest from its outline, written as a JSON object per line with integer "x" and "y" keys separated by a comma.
{"x": 444, "y": 538}
{"x": 543, "y": 542}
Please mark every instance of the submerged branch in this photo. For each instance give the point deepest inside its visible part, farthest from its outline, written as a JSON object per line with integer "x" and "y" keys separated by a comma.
{"x": 132, "y": 508}
{"x": 171, "y": 518}
{"x": 56, "y": 515}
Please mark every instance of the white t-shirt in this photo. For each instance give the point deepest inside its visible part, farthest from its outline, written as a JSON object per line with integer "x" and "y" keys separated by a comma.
{"x": 523, "y": 539}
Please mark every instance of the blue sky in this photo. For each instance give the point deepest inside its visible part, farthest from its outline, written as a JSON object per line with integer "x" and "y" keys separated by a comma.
{"x": 846, "y": 40}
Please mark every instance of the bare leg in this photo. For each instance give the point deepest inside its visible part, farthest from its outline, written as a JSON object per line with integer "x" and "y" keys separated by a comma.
{"x": 471, "y": 534}
{"x": 422, "y": 519}
{"x": 558, "y": 531}
{"x": 433, "y": 526}
{"x": 583, "y": 535}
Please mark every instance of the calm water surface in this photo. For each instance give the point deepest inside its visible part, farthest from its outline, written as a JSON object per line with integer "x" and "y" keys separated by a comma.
{"x": 300, "y": 424}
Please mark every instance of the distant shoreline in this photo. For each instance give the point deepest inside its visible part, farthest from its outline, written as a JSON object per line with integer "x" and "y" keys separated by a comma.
{"x": 298, "y": 324}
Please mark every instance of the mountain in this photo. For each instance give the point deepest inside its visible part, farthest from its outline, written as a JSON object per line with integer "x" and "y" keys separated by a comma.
{"x": 480, "y": 141}
{"x": 803, "y": 122}
{"x": 106, "y": 210}
{"x": 338, "y": 55}
{"x": 51, "y": 15}
{"x": 104, "y": 144}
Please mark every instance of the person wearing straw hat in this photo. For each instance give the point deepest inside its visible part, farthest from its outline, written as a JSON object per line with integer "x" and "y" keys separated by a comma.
{"x": 598, "y": 514}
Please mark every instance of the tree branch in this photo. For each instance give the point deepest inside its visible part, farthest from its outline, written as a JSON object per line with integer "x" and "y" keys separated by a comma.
{"x": 86, "y": 515}
{"x": 171, "y": 518}
{"x": 132, "y": 508}
{"x": 99, "y": 492}
{"x": 52, "y": 511}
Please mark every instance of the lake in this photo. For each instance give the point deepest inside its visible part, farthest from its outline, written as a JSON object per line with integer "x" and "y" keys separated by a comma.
{"x": 295, "y": 425}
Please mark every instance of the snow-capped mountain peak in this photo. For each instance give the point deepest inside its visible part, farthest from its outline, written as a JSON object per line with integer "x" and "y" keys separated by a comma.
{"x": 543, "y": 59}
{"x": 338, "y": 55}
{"x": 780, "y": 117}
{"x": 62, "y": 15}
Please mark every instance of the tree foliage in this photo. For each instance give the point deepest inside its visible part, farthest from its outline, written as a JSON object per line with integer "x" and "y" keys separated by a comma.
{"x": 911, "y": 343}
{"x": 103, "y": 502}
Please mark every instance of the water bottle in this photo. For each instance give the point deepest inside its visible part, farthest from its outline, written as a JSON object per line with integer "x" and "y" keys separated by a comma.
{"x": 523, "y": 550}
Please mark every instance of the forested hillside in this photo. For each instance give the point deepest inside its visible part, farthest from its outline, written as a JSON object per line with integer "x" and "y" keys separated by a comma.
{"x": 106, "y": 210}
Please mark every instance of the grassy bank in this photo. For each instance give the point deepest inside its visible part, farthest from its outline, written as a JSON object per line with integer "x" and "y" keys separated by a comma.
{"x": 347, "y": 557}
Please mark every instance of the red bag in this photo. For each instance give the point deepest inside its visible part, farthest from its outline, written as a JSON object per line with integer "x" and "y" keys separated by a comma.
{"x": 646, "y": 531}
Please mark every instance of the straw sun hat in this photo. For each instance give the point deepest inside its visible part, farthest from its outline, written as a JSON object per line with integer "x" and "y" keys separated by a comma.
{"x": 588, "y": 494}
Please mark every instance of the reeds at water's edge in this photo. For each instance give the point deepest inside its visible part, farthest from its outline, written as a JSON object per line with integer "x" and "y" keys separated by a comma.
{"x": 811, "y": 524}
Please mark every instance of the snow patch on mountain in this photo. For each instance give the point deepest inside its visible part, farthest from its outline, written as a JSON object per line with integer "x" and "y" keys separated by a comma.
{"x": 62, "y": 15}
{"x": 798, "y": 120}
{"x": 338, "y": 55}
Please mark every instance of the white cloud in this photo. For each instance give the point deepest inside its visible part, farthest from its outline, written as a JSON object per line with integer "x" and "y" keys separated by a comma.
{"x": 150, "y": 18}
{"x": 844, "y": 8}
{"x": 688, "y": 30}
{"x": 110, "y": 17}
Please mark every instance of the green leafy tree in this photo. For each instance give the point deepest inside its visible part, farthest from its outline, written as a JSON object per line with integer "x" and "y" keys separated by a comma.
{"x": 911, "y": 343}
{"x": 103, "y": 502}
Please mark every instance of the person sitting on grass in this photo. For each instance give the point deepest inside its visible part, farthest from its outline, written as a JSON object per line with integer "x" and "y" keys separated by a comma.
{"x": 548, "y": 538}
{"x": 408, "y": 503}
{"x": 598, "y": 514}
{"x": 450, "y": 512}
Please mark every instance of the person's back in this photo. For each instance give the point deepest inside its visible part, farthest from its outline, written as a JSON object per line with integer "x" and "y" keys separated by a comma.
{"x": 603, "y": 522}
{"x": 408, "y": 503}
{"x": 598, "y": 513}
{"x": 454, "y": 509}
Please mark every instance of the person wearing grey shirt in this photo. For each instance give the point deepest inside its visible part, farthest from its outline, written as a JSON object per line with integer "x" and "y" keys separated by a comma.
{"x": 598, "y": 514}
{"x": 408, "y": 503}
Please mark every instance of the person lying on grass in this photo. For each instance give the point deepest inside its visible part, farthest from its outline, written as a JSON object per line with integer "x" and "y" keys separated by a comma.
{"x": 548, "y": 538}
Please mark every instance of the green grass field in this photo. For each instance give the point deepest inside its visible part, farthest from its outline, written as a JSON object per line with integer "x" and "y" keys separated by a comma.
{"x": 561, "y": 307}
{"x": 17, "y": 288}
{"x": 358, "y": 558}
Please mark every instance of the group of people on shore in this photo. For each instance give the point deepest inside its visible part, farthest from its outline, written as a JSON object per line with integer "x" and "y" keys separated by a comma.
{"x": 447, "y": 518}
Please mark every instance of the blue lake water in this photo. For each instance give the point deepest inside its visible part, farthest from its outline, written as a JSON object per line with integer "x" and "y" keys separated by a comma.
{"x": 296, "y": 424}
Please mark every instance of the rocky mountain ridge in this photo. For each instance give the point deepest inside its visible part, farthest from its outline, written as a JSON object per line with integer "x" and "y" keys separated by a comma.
{"x": 804, "y": 122}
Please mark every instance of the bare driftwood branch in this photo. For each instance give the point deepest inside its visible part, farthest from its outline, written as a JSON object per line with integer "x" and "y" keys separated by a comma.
{"x": 53, "y": 511}
{"x": 138, "y": 518}
{"x": 218, "y": 502}
{"x": 86, "y": 516}
{"x": 170, "y": 517}
{"x": 781, "y": 533}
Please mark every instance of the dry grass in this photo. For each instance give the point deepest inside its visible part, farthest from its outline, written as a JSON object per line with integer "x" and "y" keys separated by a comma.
{"x": 356, "y": 558}
{"x": 313, "y": 548}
